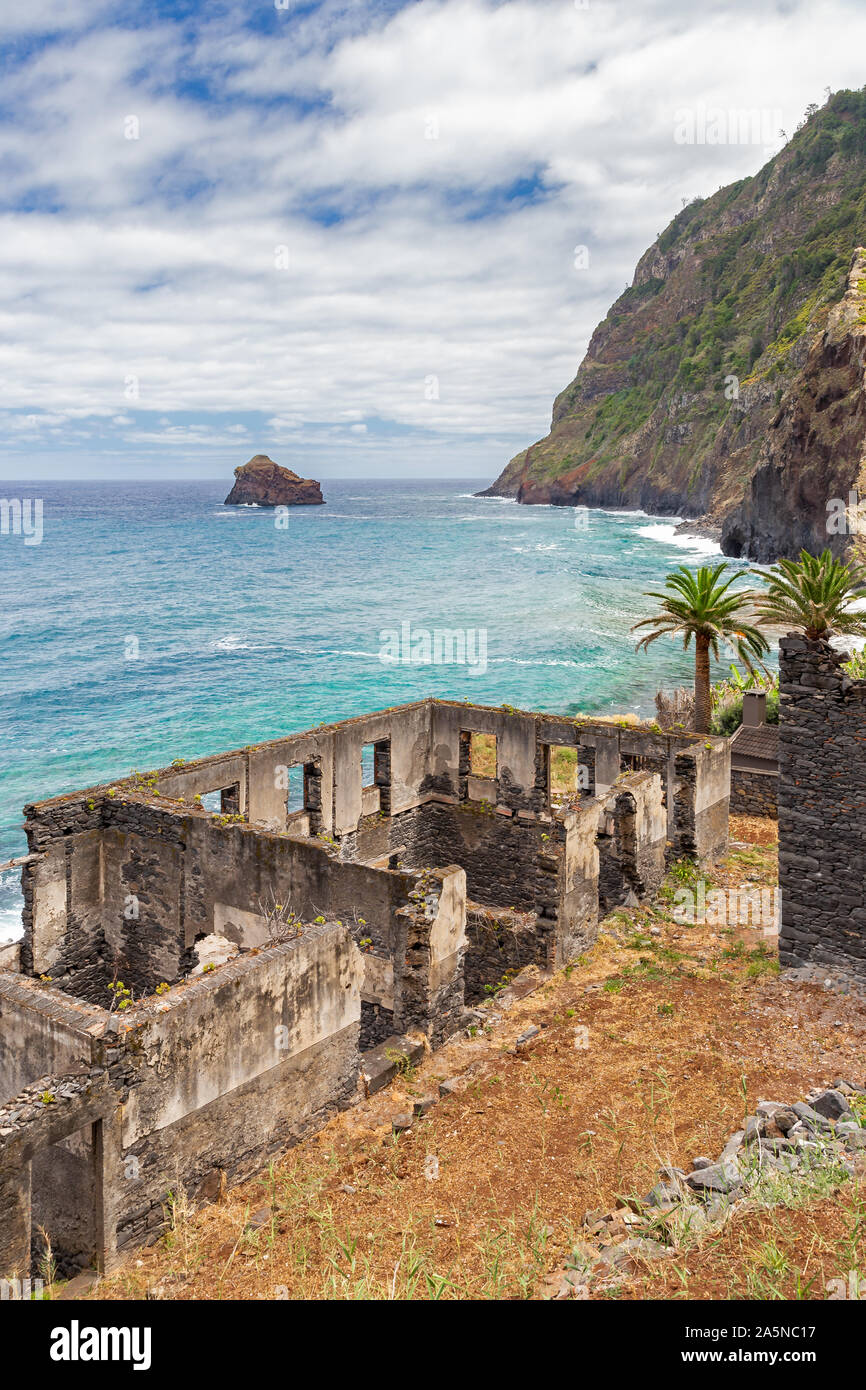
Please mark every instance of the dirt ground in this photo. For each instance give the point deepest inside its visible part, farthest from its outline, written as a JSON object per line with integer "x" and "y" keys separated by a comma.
{"x": 650, "y": 1050}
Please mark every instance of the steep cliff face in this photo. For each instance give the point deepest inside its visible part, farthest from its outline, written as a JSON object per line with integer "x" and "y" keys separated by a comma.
{"x": 813, "y": 450}
{"x": 263, "y": 483}
{"x": 728, "y": 383}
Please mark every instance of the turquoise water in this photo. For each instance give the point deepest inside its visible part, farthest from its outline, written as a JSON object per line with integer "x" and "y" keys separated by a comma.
{"x": 245, "y": 630}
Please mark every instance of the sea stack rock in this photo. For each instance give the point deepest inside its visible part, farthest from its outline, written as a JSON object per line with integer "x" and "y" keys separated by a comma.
{"x": 263, "y": 483}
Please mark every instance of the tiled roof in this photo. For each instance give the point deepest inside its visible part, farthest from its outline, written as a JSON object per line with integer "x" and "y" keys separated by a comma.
{"x": 760, "y": 742}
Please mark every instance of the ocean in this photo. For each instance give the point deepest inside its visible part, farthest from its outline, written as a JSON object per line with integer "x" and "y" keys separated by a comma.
{"x": 151, "y": 622}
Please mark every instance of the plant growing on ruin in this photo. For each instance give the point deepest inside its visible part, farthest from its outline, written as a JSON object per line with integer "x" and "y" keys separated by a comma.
{"x": 814, "y": 595}
{"x": 700, "y": 607}
{"x": 401, "y": 1062}
{"x": 47, "y": 1262}
{"x": 282, "y": 923}
{"x": 121, "y": 996}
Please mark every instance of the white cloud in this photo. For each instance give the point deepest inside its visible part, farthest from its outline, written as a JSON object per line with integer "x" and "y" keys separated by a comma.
{"x": 150, "y": 266}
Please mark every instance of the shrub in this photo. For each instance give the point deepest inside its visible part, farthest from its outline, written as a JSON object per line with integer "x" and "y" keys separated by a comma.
{"x": 677, "y": 709}
{"x": 726, "y": 698}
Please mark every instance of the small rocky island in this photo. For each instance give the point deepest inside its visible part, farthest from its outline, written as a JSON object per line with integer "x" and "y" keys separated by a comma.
{"x": 263, "y": 483}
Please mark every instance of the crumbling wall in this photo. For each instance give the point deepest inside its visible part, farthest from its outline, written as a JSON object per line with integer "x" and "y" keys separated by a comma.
{"x": 41, "y": 1031}
{"x": 62, "y": 916}
{"x": 499, "y": 943}
{"x": 143, "y": 901}
{"x": 233, "y": 1067}
{"x": 52, "y": 1149}
{"x": 631, "y": 840}
{"x": 213, "y": 1078}
{"x": 496, "y": 848}
{"x": 822, "y": 810}
{"x": 428, "y": 956}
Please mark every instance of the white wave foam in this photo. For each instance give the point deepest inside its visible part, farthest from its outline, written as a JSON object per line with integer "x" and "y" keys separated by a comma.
{"x": 11, "y": 926}
{"x": 243, "y": 509}
{"x": 668, "y": 534}
{"x": 551, "y": 661}
{"x": 619, "y": 513}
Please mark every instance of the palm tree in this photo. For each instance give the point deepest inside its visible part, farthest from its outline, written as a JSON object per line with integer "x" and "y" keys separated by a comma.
{"x": 813, "y": 594}
{"x": 699, "y": 606}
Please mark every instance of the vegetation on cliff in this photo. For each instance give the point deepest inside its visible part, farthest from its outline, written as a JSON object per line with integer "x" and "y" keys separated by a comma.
{"x": 727, "y": 382}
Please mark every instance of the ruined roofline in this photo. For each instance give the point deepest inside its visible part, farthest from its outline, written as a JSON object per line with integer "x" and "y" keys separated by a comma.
{"x": 214, "y": 759}
{"x": 87, "y": 1020}
{"x": 578, "y": 723}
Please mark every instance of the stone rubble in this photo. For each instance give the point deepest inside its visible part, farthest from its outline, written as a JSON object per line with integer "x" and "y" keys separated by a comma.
{"x": 777, "y": 1137}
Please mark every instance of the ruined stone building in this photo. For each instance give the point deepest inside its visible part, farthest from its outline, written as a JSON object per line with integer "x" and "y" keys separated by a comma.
{"x": 349, "y": 886}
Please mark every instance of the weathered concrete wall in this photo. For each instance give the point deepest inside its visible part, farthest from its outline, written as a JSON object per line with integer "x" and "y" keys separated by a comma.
{"x": 822, "y": 810}
{"x": 235, "y": 1135}
{"x": 221, "y": 1031}
{"x": 236, "y": 1065}
{"x": 41, "y": 1031}
{"x": 204, "y": 776}
{"x": 712, "y": 796}
{"x": 577, "y": 913}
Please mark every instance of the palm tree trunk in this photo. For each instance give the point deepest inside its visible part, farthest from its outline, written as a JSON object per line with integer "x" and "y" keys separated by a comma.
{"x": 702, "y": 685}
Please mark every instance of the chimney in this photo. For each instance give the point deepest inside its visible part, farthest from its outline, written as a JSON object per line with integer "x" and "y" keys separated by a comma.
{"x": 754, "y": 708}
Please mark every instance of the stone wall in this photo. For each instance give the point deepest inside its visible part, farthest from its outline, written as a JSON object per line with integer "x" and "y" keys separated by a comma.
{"x": 499, "y": 944}
{"x": 232, "y": 1068}
{"x": 754, "y": 793}
{"x": 822, "y": 810}
{"x": 496, "y": 849}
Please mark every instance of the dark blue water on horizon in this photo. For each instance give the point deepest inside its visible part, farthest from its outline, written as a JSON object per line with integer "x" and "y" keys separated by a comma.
{"x": 152, "y": 622}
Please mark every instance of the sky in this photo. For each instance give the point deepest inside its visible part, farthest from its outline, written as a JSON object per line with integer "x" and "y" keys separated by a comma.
{"x": 367, "y": 238}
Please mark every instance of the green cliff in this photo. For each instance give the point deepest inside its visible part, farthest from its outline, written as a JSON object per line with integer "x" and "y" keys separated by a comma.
{"x": 727, "y": 383}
